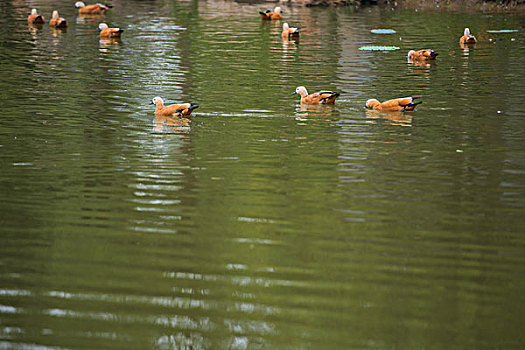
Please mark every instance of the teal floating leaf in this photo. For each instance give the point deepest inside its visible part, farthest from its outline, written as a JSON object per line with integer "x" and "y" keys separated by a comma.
{"x": 383, "y": 31}
{"x": 502, "y": 31}
{"x": 378, "y": 48}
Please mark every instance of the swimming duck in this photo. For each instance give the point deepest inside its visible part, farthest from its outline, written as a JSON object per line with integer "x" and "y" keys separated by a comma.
{"x": 320, "y": 97}
{"x": 425, "y": 54}
{"x": 398, "y": 104}
{"x": 56, "y": 21}
{"x": 94, "y": 9}
{"x": 172, "y": 110}
{"x": 35, "y": 18}
{"x": 289, "y": 32}
{"x": 467, "y": 38}
{"x": 269, "y": 15}
{"x": 106, "y": 32}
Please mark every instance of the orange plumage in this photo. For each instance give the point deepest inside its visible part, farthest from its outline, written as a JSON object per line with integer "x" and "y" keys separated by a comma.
{"x": 57, "y": 21}
{"x": 398, "y": 104}
{"x": 288, "y": 32}
{"x": 467, "y": 38}
{"x": 35, "y": 18}
{"x": 174, "y": 110}
{"x": 95, "y": 9}
{"x": 425, "y": 54}
{"x": 320, "y": 97}
{"x": 106, "y": 32}
{"x": 272, "y": 15}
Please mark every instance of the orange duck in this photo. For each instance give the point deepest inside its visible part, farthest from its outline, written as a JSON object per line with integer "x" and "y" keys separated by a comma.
{"x": 467, "y": 38}
{"x": 289, "y": 32}
{"x": 106, "y": 32}
{"x": 175, "y": 110}
{"x": 35, "y": 18}
{"x": 95, "y": 9}
{"x": 269, "y": 15}
{"x": 422, "y": 55}
{"x": 56, "y": 21}
{"x": 320, "y": 97}
{"x": 396, "y": 105}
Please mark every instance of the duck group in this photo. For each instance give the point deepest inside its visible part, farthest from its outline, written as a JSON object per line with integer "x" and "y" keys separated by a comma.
{"x": 318, "y": 98}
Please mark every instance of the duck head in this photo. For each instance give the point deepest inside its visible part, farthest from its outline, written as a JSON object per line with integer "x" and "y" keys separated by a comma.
{"x": 301, "y": 90}
{"x": 371, "y": 103}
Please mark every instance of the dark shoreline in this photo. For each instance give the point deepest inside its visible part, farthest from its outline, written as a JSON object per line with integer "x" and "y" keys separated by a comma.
{"x": 455, "y": 5}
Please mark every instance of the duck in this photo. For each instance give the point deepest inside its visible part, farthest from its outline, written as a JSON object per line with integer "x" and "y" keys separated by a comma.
{"x": 94, "y": 9}
{"x": 425, "y": 54}
{"x": 174, "y": 110}
{"x": 106, "y": 32}
{"x": 320, "y": 97}
{"x": 467, "y": 38}
{"x": 269, "y": 15}
{"x": 57, "y": 21}
{"x": 289, "y": 32}
{"x": 395, "y": 105}
{"x": 35, "y": 18}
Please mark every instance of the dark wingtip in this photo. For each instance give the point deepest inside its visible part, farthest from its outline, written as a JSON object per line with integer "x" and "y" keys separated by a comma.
{"x": 110, "y": 6}
{"x": 413, "y": 104}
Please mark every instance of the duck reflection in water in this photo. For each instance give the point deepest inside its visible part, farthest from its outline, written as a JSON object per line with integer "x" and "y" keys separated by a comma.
{"x": 166, "y": 125}
{"x": 315, "y": 112}
{"x": 394, "y": 118}
{"x": 89, "y": 18}
{"x": 106, "y": 43}
{"x": 57, "y": 32}
{"x": 422, "y": 63}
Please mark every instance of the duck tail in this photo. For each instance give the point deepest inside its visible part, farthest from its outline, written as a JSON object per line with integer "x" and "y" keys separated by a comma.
{"x": 411, "y": 106}
{"x": 193, "y": 105}
{"x": 333, "y": 95}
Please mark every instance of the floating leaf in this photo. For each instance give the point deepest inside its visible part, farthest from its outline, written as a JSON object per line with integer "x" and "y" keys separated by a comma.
{"x": 378, "y": 48}
{"x": 383, "y": 31}
{"x": 502, "y": 31}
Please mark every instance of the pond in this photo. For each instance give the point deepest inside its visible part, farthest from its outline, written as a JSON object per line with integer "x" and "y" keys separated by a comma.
{"x": 260, "y": 224}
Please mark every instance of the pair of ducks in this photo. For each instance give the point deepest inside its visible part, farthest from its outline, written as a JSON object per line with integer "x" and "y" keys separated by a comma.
{"x": 275, "y": 15}
{"x": 465, "y": 40}
{"x": 328, "y": 97}
{"x": 56, "y": 21}
{"x": 99, "y": 9}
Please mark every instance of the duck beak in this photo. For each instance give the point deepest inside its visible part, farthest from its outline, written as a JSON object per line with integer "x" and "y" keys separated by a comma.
{"x": 151, "y": 103}
{"x": 294, "y": 93}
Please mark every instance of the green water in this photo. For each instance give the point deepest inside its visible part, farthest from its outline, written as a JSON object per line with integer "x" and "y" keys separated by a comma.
{"x": 262, "y": 224}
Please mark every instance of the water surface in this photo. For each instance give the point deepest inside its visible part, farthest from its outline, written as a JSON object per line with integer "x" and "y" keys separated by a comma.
{"x": 263, "y": 224}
